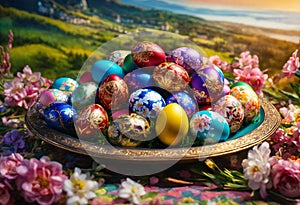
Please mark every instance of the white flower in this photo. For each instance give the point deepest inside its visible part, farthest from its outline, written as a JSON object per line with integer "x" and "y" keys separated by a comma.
{"x": 132, "y": 191}
{"x": 257, "y": 168}
{"x": 79, "y": 188}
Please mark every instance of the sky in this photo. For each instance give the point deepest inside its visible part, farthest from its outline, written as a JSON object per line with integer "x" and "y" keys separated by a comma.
{"x": 280, "y": 5}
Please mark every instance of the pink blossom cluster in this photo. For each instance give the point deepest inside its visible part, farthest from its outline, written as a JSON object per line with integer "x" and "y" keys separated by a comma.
{"x": 24, "y": 89}
{"x": 291, "y": 66}
{"x": 35, "y": 180}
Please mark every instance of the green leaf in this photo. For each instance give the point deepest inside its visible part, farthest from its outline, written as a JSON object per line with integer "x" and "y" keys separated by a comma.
{"x": 296, "y": 88}
{"x": 151, "y": 194}
{"x": 289, "y": 94}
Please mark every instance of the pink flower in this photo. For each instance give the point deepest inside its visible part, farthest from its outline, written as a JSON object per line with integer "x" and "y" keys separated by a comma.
{"x": 153, "y": 180}
{"x": 291, "y": 66}
{"x": 4, "y": 194}
{"x": 40, "y": 181}
{"x": 216, "y": 60}
{"x": 286, "y": 177}
{"x": 8, "y": 166}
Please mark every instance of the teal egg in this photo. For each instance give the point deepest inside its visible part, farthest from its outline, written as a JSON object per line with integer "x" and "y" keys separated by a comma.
{"x": 65, "y": 84}
{"x": 84, "y": 95}
{"x": 103, "y": 68}
{"x": 209, "y": 127}
{"x": 240, "y": 83}
{"x": 128, "y": 64}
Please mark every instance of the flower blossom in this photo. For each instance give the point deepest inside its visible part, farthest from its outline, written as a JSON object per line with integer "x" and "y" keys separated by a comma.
{"x": 8, "y": 166}
{"x": 216, "y": 60}
{"x": 291, "y": 114}
{"x": 80, "y": 188}
{"x": 15, "y": 139}
{"x": 257, "y": 168}
{"x": 286, "y": 177}
{"x": 40, "y": 181}
{"x": 132, "y": 191}
{"x": 291, "y": 66}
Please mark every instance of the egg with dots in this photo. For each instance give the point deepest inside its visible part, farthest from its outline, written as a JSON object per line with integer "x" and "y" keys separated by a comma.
{"x": 147, "y": 53}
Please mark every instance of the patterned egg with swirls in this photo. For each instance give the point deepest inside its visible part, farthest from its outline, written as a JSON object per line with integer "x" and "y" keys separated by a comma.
{"x": 207, "y": 84}
{"x": 146, "y": 102}
{"x": 248, "y": 99}
{"x": 113, "y": 93}
{"x": 118, "y": 56}
{"x": 209, "y": 127}
{"x": 91, "y": 121}
{"x": 232, "y": 110}
{"x": 128, "y": 130}
{"x": 188, "y": 58}
{"x": 59, "y": 115}
{"x": 187, "y": 102}
{"x": 147, "y": 53}
{"x": 171, "y": 76}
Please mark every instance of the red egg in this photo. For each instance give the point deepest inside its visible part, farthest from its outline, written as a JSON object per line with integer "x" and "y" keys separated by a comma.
{"x": 146, "y": 53}
{"x": 91, "y": 120}
{"x": 113, "y": 92}
{"x": 171, "y": 76}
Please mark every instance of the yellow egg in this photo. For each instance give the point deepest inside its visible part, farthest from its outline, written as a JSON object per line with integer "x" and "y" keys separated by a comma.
{"x": 172, "y": 124}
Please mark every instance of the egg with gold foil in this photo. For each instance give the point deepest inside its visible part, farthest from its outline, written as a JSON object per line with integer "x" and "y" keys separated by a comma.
{"x": 249, "y": 100}
{"x": 91, "y": 121}
{"x": 128, "y": 130}
{"x": 113, "y": 93}
{"x": 147, "y": 53}
{"x": 171, "y": 76}
{"x": 207, "y": 84}
{"x": 172, "y": 124}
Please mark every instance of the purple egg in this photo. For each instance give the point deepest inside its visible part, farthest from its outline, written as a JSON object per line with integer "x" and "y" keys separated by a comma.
{"x": 188, "y": 58}
{"x": 138, "y": 79}
{"x": 207, "y": 84}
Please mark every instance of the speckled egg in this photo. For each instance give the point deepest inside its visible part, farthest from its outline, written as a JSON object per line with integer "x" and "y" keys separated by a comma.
{"x": 146, "y": 102}
{"x": 60, "y": 116}
{"x": 103, "y": 68}
{"x": 129, "y": 65}
{"x": 84, "y": 95}
{"x": 65, "y": 84}
{"x": 91, "y": 121}
{"x": 113, "y": 93}
{"x": 138, "y": 79}
{"x": 118, "y": 56}
{"x": 172, "y": 124}
{"x": 171, "y": 76}
{"x": 147, "y": 53}
{"x": 232, "y": 110}
{"x": 188, "y": 58}
{"x": 53, "y": 95}
{"x": 207, "y": 84}
{"x": 128, "y": 130}
{"x": 249, "y": 100}
{"x": 186, "y": 101}
{"x": 209, "y": 127}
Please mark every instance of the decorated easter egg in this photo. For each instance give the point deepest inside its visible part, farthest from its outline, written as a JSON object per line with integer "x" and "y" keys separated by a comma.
{"x": 171, "y": 76}
{"x": 91, "y": 121}
{"x": 241, "y": 83}
{"x": 172, "y": 124}
{"x": 188, "y": 58}
{"x": 53, "y": 95}
{"x": 118, "y": 56}
{"x": 113, "y": 92}
{"x": 59, "y": 115}
{"x": 232, "y": 110}
{"x": 147, "y": 53}
{"x": 248, "y": 99}
{"x": 207, "y": 84}
{"x": 103, "y": 68}
{"x": 86, "y": 77}
{"x": 84, "y": 95}
{"x": 128, "y": 64}
{"x": 128, "y": 130}
{"x": 146, "y": 102}
{"x": 138, "y": 79}
{"x": 65, "y": 84}
{"x": 209, "y": 127}
{"x": 186, "y": 101}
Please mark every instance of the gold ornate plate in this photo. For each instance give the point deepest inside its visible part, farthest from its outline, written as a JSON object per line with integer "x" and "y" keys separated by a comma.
{"x": 267, "y": 127}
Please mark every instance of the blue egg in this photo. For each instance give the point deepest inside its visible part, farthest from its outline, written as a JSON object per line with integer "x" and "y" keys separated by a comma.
{"x": 146, "y": 102}
{"x": 209, "y": 127}
{"x": 60, "y": 116}
{"x": 65, "y": 84}
{"x": 138, "y": 79}
{"x": 185, "y": 100}
{"x": 103, "y": 68}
